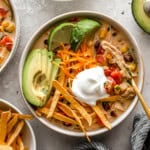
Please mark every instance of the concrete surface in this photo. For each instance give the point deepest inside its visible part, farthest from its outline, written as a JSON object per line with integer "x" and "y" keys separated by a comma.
{"x": 33, "y": 13}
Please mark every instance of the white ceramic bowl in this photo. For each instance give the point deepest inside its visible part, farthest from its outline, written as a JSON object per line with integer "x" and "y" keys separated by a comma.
{"x": 28, "y": 134}
{"x": 89, "y": 14}
{"x": 17, "y": 34}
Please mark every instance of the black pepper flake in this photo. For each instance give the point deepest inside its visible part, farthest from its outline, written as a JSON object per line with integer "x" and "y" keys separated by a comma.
{"x": 97, "y": 44}
{"x": 113, "y": 114}
{"x": 114, "y": 34}
{"x": 46, "y": 42}
{"x": 67, "y": 124}
{"x": 108, "y": 29}
{"x": 122, "y": 12}
{"x": 67, "y": 103}
{"x": 106, "y": 105}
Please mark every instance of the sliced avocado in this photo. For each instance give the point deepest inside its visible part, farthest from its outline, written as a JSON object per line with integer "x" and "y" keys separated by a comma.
{"x": 142, "y": 19}
{"x": 37, "y": 76}
{"x": 44, "y": 61}
{"x": 50, "y": 66}
{"x": 84, "y": 28}
{"x": 54, "y": 71}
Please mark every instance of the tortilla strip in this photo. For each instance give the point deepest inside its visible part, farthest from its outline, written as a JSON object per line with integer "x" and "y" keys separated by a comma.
{"x": 53, "y": 104}
{"x": 71, "y": 99}
{"x": 101, "y": 116}
{"x": 12, "y": 123}
{"x": 111, "y": 98}
{"x": 23, "y": 116}
{"x": 57, "y": 116}
{"x": 81, "y": 126}
{"x": 20, "y": 143}
{"x": 16, "y": 132}
{"x": 56, "y": 96}
{"x": 5, "y": 116}
{"x": 15, "y": 145}
{"x": 66, "y": 109}
{"x": 74, "y": 115}
{"x": 93, "y": 115}
{"x": 64, "y": 118}
{"x": 42, "y": 110}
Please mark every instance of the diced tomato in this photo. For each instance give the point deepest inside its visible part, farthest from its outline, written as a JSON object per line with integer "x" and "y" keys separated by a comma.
{"x": 100, "y": 50}
{"x": 107, "y": 72}
{"x": 100, "y": 59}
{"x": 3, "y": 12}
{"x": 116, "y": 75}
{"x": 7, "y": 42}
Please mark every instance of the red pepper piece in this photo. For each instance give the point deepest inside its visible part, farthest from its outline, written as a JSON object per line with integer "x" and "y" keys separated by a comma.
{"x": 3, "y": 12}
{"x": 116, "y": 75}
{"x": 7, "y": 42}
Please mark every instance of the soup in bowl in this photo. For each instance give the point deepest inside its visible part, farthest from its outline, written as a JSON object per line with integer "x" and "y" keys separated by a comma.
{"x": 9, "y": 32}
{"x": 76, "y": 71}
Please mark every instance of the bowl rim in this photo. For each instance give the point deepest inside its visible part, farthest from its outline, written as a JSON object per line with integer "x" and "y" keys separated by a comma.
{"x": 17, "y": 35}
{"x": 27, "y": 123}
{"x": 99, "y": 16}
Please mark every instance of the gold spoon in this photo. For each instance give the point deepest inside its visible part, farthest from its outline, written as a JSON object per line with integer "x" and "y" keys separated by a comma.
{"x": 144, "y": 104}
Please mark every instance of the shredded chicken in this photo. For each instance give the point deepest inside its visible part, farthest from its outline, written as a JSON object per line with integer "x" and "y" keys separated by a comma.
{"x": 118, "y": 57}
{"x": 118, "y": 106}
{"x": 129, "y": 93}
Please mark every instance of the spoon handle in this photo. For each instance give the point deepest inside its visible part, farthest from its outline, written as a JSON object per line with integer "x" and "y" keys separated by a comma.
{"x": 144, "y": 104}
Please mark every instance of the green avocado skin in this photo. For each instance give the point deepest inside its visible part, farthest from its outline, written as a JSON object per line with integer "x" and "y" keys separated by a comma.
{"x": 83, "y": 28}
{"x": 37, "y": 75}
{"x": 142, "y": 19}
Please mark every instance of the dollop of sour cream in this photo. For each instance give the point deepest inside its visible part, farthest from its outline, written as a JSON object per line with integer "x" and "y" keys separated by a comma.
{"x": 88, "y": 85}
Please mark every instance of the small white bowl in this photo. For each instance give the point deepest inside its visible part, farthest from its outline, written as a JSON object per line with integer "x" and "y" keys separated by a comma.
{"x": 27, "y": 133}
{"x": 94, "y": 15}
{"x": 17, "y": 34}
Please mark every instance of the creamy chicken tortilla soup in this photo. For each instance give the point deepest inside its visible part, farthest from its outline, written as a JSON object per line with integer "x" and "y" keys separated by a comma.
{"x": 84, "y": 76}
{"x": 7, "y": 30}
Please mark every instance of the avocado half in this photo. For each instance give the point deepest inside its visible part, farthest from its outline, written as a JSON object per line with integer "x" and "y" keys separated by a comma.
{"x": 83, "y": 28}
{"x": 142, "y": 19}
{"x": 37, "y": 76}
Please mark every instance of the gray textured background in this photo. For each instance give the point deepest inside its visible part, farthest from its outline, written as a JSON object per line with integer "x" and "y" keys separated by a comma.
{"x": 33, "y": 13}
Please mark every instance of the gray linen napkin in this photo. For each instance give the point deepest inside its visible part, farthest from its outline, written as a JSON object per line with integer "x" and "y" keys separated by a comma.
{"x": 91, "y": 146}
{"x": 140, "y": 136}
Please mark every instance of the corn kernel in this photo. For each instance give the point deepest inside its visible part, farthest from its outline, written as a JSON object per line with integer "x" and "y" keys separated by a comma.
{"x": 132, "y": 66}
{"x": 90, "y": 43}
{"x": 124, "y": 48}
{"x": 1, "y": 28}
{"x": 103, "y": 32}
{"x": 117, "y": 89}
{"x": 10, "y": 28}
{"x": 5, "y": 23}
{"x": 109, "y": 56}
